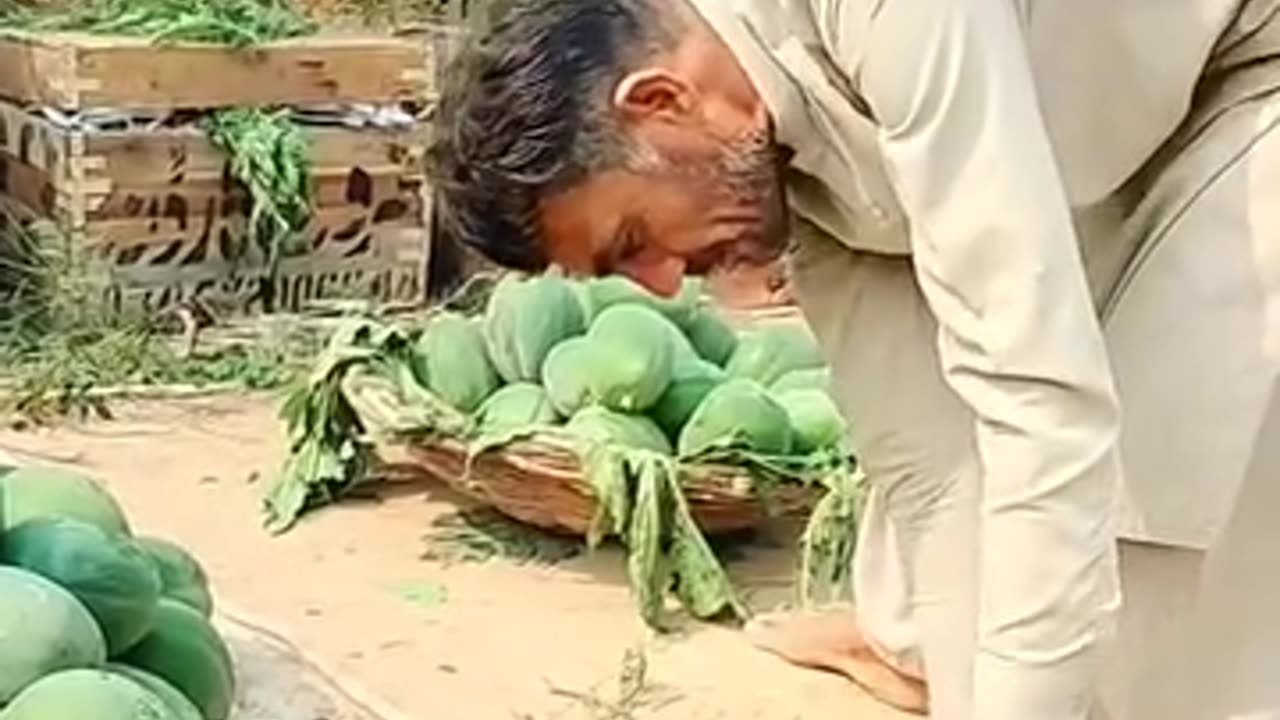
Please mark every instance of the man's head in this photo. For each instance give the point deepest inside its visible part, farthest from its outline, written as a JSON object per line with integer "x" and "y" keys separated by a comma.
{"x": 607, "y": 136}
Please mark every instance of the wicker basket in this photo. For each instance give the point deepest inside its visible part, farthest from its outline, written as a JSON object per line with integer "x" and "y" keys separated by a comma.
{"x": 540, "y": 480}
{"x": 541, "y": 483}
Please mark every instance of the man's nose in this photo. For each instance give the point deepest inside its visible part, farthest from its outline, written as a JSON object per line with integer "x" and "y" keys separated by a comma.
{"x": 663, "y": 277}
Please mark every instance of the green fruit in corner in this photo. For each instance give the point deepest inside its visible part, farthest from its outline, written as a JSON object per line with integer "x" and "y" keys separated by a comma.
{"x": 738, "y": 411}
{"x": 187, "y": 652}
{"x": 601, "y": 425}
{"x": 525, "y": 319}
{"x": 714, "y": 340}
{"x": 632, "y": 358}
{"x": 818, "y": 378}
{"x": 108, "y": 573}
{"x": 514, "y": 407}
{"x": 180, "y": 708}
{"x": 564, "y": 375}
{"x": 32, "y": 492}
{"x": 771, "y": 351}
{"x": 600, "y": 294}
{"x": 85, "y": 694}
{"x": 691, "y": 384}
{"x": 43, "y": 629}
{"x": 451, "y": 359}
{"x": 181, "y": 576}
{"x": 815, "y": 419}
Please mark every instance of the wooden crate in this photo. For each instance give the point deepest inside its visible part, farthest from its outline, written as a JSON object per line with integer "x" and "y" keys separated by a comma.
{"x": 159, "y": 211}
{"x": 73, "y": 71}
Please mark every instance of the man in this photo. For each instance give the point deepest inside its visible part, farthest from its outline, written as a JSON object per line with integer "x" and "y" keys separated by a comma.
{"x": 1009, "y": 220}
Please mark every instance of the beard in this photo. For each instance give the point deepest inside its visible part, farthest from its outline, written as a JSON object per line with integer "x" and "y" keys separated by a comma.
{"x": 743, "y": 178}
{"x": 750, "y": 171}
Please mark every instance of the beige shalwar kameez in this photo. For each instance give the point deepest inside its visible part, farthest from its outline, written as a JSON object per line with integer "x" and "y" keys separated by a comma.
{"x": 1040, "y": 244}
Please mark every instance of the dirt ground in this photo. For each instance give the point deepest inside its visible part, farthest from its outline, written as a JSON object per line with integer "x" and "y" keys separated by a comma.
{"x": 348, "y": 596}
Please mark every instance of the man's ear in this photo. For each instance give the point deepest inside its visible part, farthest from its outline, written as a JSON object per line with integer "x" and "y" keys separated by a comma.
{"x": 654, "y": 94}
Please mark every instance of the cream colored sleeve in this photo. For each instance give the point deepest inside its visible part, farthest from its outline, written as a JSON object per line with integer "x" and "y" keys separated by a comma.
{"x": 996, "y": 256}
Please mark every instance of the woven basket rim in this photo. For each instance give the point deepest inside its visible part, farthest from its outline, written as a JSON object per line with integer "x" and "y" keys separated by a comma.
{"x": 549, "y": 454}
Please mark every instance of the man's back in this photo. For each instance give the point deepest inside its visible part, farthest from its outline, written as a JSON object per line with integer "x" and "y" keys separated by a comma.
{"x": 1114, "y": 77}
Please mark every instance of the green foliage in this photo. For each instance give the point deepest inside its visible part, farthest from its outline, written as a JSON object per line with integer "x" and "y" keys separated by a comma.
{"x": 270, "y": 158}
{"x": 240, "y": 23}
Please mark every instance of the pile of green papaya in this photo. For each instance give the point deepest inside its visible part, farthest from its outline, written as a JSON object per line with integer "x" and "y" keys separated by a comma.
{"x": 96, "y": 621}
{"x": 646, "y": 389}
{"x": 611, "y": 362}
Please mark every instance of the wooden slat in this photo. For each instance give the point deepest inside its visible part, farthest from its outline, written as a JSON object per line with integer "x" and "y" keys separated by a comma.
{"x": 381, "y": 246}
{"x": 28, "y": 185}
{"x": 232, "y": 287}
{"x": 37, "y": 72}
{"x": 157, "y": 157}
{"x": 340, "y": 227}
{"x": 71, "y": 70}
{"x": 386, "y": 192}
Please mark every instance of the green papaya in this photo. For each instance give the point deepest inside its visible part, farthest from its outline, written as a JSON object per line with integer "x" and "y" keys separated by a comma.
{"x": 739, "y": 411}
{"x": 600, "y": 294}
{"x": 601, "y": 425}
{"x": 632, "y": 357}
{"x": 714, "y": 340}
{"x": 84, "y": 694}
{"x": 182, "y": 577}
{"x": 35, "y": 491}
{"x": 451, "y": 359}
{"x": 816, "y": 378}
{"x": 108, "y": 573}
{"x": 771, "y": 351}
{"x": 525, "y": 319}
{"x": 180, "y": 708}
{"x": 564, "y": 375}
{"x": 689, "y": 386}
{"x": 815, "y": 419}
{"x": 516, "y": 406}
{"x": 188, "y": 653}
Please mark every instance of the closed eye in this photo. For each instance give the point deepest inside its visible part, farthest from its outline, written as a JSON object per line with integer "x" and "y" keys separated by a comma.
{"x": 627, "y": 243}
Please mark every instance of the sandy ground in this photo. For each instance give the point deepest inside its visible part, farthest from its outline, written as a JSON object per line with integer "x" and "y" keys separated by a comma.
{"x": 347, "y": 595}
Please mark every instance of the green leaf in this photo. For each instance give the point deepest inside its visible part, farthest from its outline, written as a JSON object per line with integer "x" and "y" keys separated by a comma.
{"x": 701, "y": 583}
{"x": 829, "y": 541}
{"x": 649, "y": 569}
{"x": 605, "y": 470}
{"x": 499, "y": 438}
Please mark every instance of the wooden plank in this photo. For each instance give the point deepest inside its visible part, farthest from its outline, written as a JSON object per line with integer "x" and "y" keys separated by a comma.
{"x": 157, "y": 157}
{"x": 72, "y": 71}
{"x": 338, "y": 229}
{"x": 379, "y": 246}
{"x": 239, "y": 294}
{"x": 37, "y": 71}
{"x": 236, "y": 287}
{"x": 27, "y": 184}
{"x": 382, "y": 193}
